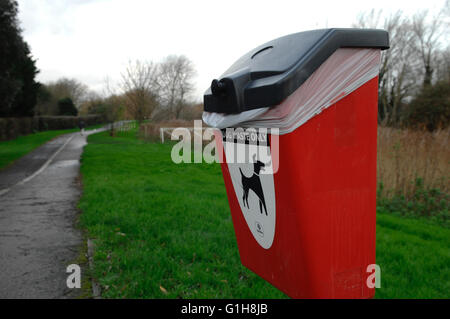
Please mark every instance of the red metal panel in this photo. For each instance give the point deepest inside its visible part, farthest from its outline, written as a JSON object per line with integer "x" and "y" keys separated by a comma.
{"x": 325, "y": 202}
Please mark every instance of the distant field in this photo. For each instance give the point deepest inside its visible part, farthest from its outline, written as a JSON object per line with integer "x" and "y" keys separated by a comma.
{"x": 164, "y": 231}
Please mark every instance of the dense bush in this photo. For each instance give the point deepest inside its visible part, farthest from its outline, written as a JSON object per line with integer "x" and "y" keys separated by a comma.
{"x": 188, "y": 113}
{"x": 67, "y": 122}
{"x": 191, "y": 113}
{"x": 66, "y": 107}
{"x": 431, "y": 107}
{"x": 425, "y": 202}
{"x": 11, "y": 127}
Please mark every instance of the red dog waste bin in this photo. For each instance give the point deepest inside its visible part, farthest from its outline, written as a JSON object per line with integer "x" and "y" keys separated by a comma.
{"x": 298, "y": 120}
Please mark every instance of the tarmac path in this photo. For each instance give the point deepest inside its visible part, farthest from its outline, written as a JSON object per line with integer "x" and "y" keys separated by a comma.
{"x": 38, "y": 235}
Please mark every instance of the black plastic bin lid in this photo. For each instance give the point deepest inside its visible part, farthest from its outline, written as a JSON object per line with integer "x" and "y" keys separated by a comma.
{"x": 268, "y": 74}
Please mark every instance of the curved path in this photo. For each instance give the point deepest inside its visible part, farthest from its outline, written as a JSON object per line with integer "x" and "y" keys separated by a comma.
{"x": 38, "y": 237}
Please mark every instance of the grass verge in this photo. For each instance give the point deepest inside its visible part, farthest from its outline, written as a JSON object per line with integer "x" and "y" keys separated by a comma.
{"x": 164, "y": 231}
{"x": 14, "y": 149}
{"x": 414, "y": 256}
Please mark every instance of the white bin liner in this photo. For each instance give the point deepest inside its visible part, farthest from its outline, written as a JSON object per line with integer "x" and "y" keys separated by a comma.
{"x": 342, "y": 73}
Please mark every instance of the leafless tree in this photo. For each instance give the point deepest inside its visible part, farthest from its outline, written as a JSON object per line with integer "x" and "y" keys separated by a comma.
{"x": 396, "y": 77}
{"x": 71, "y": 88}
{"x": 114, "y": 111}
{"x": 443, "y": 65}
{"x": 139, "y": 86}
{"x": 443, "y": 55}
{"x": 427, "y": 33}
{"x": 414, "y": 60}
{"x": 175, "y": 83}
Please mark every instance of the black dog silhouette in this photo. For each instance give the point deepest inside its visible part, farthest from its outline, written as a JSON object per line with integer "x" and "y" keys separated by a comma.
{"x": 254, "y": 183}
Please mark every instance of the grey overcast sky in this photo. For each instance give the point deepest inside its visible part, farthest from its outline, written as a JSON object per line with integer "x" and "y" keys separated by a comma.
{"x": 93, "y": 39}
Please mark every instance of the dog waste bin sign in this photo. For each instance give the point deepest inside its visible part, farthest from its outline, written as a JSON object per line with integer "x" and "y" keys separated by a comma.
{"x": 252, "y": 181}
{"x": 298, "y": 133}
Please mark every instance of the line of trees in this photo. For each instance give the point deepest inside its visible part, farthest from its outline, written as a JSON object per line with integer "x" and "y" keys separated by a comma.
{"x": 160, "y": 91}
{"x": 414, "y": 79}
{"x": 62, "y": 92}
{"x": 20, "y": 94}
{"x": 18, "y": 88}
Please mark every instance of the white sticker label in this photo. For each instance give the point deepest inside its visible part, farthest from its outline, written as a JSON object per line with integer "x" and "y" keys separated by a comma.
{"x": 251, "y": 173}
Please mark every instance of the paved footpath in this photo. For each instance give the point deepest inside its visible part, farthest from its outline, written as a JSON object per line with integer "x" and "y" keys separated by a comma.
{"x": 38, "y": 235}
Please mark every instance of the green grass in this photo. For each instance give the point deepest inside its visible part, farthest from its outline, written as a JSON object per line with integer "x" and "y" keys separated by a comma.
{"x": 164, "y": 231}
{"x": 15, "y": 149}
{"x": 414, "y": 257}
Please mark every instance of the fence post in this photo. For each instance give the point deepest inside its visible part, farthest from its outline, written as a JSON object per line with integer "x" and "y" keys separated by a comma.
{"x": 161, "y": 131}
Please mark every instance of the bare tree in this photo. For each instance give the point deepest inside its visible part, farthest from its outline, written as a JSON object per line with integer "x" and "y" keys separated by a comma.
{"x": 71, "y": 88}
{"x": 396, "y": 77}
{"x": 443, "y": 65}
{"x": 114, "y": 111}
{"x": 46, "y": 103}
{"x": 415, "y": 59}
{"x": 140, "y": 88}
{"x": 426, "y": 42}
{"x": 443, "y": 55}
{"x": 175, "y": 83}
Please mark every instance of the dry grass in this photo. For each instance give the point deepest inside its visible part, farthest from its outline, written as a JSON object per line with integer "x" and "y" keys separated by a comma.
{"x": 151, "y": 131}
{"x": 406, "y": 155}
{"x": 403, "y": 157}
